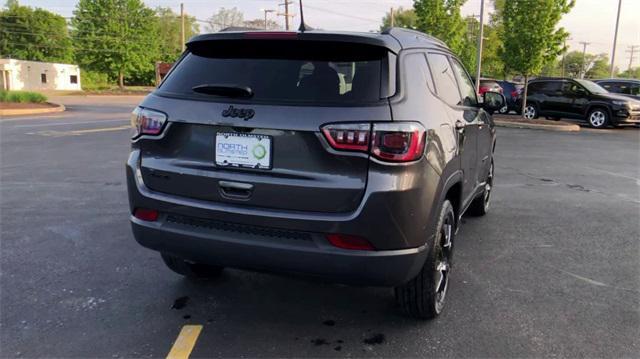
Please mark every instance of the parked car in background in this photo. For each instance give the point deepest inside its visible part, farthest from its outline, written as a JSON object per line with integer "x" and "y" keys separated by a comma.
{"x": 626, "y": 87}
{"x": 489, "y": 85}
{"x": 580, "y": 99}
{"x": 512, "y": 92}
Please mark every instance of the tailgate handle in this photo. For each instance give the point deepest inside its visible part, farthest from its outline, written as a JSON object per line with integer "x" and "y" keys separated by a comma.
{"x": 235, "y": 190}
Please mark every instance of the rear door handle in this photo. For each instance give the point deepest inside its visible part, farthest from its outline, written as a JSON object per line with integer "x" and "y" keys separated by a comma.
{"x": 235, "y": 190}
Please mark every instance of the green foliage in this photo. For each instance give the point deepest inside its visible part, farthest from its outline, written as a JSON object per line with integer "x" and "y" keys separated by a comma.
{"x": 633, "y": 73}
{"x": 259, "y": 24}
{"x": 22, "y": 97}
{"x": 92, "y": 80}
{"x": 594, "y": 66}
{"x": 529, "y": 34}
{"x": 169, "y": 27}
{"x": 442, "y": 19}
{"x": 34, "y": 34}
{"x": 406, "y": 18}
{"x": 116, "y": 37}
{"x": 599, "y": 68}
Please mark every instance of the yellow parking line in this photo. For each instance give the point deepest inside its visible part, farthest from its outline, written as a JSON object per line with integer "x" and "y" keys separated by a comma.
{"x": 106, "y": 129}
{"x": 54, "y": 133}
{"x": 186, "y": 341}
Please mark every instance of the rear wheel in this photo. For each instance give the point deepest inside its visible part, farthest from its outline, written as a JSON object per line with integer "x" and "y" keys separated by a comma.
{"x": 480, "y": 205}
{"x": 191, "y": 269}
{"x": 598, "y": 118}
{"x": 424, "y": 296}
{"x": 504, "y": 109}
{"x": 530, "y": 112}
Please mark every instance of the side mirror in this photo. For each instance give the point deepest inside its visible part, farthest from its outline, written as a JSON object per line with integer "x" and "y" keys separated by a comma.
{"x": 493, "y": 101}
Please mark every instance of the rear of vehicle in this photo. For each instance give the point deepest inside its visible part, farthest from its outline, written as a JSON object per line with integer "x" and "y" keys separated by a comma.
{"x": 278, "y": 152}
{"x": 512, "y": 93}
{"x": 489, "y": 85}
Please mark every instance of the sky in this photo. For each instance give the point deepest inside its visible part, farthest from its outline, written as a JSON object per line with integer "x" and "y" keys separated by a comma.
{"x": 590, "y": 20}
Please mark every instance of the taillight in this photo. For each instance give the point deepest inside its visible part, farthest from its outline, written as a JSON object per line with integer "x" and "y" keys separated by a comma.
{"x": 391, "y": 141}
{"x": 147, "y": 122}
{"x": 351, "y": 137}
{"x": 149, "y": 215}
{"x": 346, "y": 241}
{"x": 514, "y": 94}
{"x": 398, "y": 142}
{"x": 483, "y": 89}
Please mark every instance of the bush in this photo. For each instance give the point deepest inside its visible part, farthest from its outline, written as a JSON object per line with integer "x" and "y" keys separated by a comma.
{"x": 22, "y": 96}
{"x": 92, "y": 81}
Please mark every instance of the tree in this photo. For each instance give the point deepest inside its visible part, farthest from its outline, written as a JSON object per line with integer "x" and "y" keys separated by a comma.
{"x": 406, "y": 18}
{"x": 117, "y": 37}
{"x": 259, "y": 24}
{"x": 599, "y": 67}
{"x": 633, "y": 73}
{"x": 442, "y": 19}
{"x": 225, "y": 18}
{"x": 529, "y": 35}
{"x": 169, "y": 25}
{"x": 34, "y": 34}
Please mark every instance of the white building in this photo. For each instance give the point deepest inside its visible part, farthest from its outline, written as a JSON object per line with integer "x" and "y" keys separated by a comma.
{"x": 34, "y": 75}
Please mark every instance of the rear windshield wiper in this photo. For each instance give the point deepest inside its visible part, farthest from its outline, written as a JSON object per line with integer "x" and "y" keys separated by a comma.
{"x": 226, "y": 90}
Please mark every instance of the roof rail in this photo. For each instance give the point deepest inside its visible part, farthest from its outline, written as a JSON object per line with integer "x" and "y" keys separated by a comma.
{"x": 400, "y": 32}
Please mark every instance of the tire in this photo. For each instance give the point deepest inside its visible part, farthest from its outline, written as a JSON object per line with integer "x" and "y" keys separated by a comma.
{"x": 190, "y": 269}
{"x": 480, "y": 206}
{"x": 424, "y": 296}
{"x": 530, "y": 112}
{"x": 504, "y": 109}
{"x": 598, "y": 118}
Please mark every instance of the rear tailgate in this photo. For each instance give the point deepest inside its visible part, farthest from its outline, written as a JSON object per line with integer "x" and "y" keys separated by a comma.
{"x": 296, "y": 91}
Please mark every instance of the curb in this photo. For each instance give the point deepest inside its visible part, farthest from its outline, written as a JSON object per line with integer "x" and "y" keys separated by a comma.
{"x": 32, "y": 111}
{"x": 538, "y": 126}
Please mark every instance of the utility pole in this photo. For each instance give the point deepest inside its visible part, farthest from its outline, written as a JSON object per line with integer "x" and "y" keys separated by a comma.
{"x": 584, "y": 54}
{"x": 632, "y": 50}
{"x": 286, "y": 13}
{"x": 266, "y": 11}
{"x": 479, "y": 52}
{"x": 564, "y": 55}
{"x": 392, "y": 18}
{"x": 615, "y": 40}
{"x": 182, "y": 25}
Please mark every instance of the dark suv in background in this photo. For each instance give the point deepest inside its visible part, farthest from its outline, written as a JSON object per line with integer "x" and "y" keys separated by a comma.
{"x": 625, "y": 87}
{"x": 346, "y": 156}
{"x": 582, "y": 100}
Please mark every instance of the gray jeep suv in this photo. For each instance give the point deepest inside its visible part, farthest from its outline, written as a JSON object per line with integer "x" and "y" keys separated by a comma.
{"x": 345, "y": 156}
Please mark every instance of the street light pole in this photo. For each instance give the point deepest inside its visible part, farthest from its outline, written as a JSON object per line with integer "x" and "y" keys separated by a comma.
{"x": 615, "y": 40}
{"x": 584, "y": 54}
{"x": 266, "y": 11}
{"x": 479, "y": 52}
{"x": 182, "y": 25}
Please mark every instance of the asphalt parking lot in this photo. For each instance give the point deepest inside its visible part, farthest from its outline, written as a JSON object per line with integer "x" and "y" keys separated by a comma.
{"x": 553, "y": 270}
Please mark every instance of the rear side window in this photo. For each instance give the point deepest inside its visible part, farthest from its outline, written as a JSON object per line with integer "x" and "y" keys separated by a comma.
{"x": 466, "y": 85}
{"x": 444, "y": 78}
{"x": 325, "y": 73}
{"x": 417, "y": 64}
{"x": 553, "y": 86}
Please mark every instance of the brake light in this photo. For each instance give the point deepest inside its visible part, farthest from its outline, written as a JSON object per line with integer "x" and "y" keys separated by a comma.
{"x": 346, "y": 241}
{"x": 391, "y": 142}
{"x": 514, "y": 93}
{"x": 483, "y": 89}
{"x": 271, "y": 35}
{"x": 147, "y": 122}
{"x": 398, "y": 142}
{"x": 144, "y": 214}
{"x": 352, "y": 137}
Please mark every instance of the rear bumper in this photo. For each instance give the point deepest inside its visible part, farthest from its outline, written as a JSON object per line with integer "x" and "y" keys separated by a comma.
{"x": 289, "y": 241}
{"x": 309, "y": 256}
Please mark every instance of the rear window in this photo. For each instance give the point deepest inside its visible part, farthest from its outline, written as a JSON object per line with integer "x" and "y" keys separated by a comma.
{"x": 284, "y": 71}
